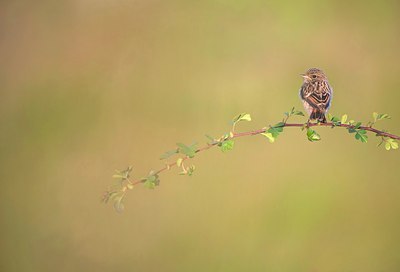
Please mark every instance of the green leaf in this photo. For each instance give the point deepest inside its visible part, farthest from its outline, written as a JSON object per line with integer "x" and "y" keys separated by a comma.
{"x": 269, "y": 136}
{"x": 227, "y": 145}
{"x": 293, "y": 111}
{"x": 354, "y": 127}
{"x": 361, "y": 135}
{"x": 387, "y": 146}
{"x": 375, "y": 116}
{"x": 118, "y": 204}
{"x": 212, "y": 139}
{"x": 382, "y": 140}
{"x": 149, "y": 185}
{"x": 279, "y": 125}
{"x": 152, "y": 178}
{"x": 343, "y": 119}
{"x": 179, "y": 162}
{"x": 110, "y": 195}
{"x": 312, "y": 135}
{"x": 124, "y": 174}
{"x": 168, "y": 154}
{"x": 118, "y": 176}
{"x": 189, "y": 151}
{"x": 191, "y": 170}
{"x": 273, "y": 132}
{"x": 117, "y": 197}
{"x": 380, "y": 116}
{"x": 151, "y": 181}
{"x": 334, "y": 119}
{"x": 393, "y": 144}
{"x": 384, "y": 116}
{"x": 300, "y": 113}
{"x": 242, "y": 117}
{"x": 276, "y": 129}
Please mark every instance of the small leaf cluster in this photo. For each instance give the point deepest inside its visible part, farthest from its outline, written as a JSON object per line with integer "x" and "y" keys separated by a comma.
{"x": 185, "y": 170}
{"x": 227, "y": 145}
{"x": 188, "y": 150}
{"x": 168, "y": 154}
{"x": 388, "y": 142}
{"x": 123, "y": 175}
{"x": 273, "y": 132}
{"x": 353, "y": 127}
{"x": 391, "y": 144}
{"x": 118, "y": 191}
{"x": 239, "y": 118}
{"x": 117, "y": 197}
{"x": 337, "y": 121}
{"x": 379, "y": 116}
{"x": 312, "y": 135}
{"x": 293, "y": 112}
{"x": 152, "y": 180}
{"x": 226, "y": 142}
{"x": 359, "y": 133}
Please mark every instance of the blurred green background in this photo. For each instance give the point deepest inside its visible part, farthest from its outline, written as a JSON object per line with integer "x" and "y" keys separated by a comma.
{"x": 89, "y": 86}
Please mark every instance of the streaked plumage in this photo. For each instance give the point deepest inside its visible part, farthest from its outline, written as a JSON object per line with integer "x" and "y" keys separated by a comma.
{"x": 316, "y": 94}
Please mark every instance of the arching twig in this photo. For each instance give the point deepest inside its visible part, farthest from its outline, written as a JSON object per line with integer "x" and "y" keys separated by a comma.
{"x": 226, "y": 143}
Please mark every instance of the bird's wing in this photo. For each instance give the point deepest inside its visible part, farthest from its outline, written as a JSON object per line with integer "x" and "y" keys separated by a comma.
{"x": 319, "y": 100}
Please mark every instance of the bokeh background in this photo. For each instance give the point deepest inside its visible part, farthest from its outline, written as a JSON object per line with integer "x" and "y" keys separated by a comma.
{"x": 90, "y": 86}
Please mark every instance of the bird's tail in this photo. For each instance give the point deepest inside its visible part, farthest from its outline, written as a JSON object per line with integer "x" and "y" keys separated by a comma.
{"x": 318, "y": 115}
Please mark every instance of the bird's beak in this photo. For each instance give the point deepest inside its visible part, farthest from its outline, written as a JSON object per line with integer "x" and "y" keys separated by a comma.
{"x": 305, "y": 76}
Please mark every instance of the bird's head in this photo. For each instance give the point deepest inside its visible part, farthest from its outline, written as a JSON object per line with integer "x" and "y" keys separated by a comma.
{"x": 313, "y": 75}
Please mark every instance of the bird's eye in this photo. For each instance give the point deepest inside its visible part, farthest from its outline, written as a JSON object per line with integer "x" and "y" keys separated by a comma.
{"x": 314, "y": 76}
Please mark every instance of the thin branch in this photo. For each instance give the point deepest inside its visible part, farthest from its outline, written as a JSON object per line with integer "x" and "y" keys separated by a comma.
{"x": 371, "y": 129}
{"x": 263, "y": 130}
{"x": 225, "y": 142}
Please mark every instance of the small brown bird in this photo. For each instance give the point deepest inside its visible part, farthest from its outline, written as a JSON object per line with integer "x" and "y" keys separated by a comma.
{"x": 316, "y": 94}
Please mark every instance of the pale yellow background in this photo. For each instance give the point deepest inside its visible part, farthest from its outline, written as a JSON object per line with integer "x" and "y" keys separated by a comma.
{"x": 90, "y": 86}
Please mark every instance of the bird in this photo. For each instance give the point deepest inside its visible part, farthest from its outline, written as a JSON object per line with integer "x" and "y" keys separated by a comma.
{"x": 316, "y": 94}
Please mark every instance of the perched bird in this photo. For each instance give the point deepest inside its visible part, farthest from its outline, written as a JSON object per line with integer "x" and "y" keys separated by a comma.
{"x": 316, "y": 94}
